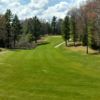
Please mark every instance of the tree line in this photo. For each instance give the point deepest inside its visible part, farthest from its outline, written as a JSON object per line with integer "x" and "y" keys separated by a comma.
{"x": 15, "y": 33}
{"x": 82, "y": 25}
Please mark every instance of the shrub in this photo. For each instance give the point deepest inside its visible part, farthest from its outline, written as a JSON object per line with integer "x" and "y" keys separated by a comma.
{"x": 25, "y": 41}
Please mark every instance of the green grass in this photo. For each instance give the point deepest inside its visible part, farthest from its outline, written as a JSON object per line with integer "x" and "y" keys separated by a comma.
{"x": 46, "y": 73}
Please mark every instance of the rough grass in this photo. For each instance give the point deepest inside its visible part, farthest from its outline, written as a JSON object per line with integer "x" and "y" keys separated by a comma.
{"x": 46, "y": 73}
{"x": 82, "y": 49}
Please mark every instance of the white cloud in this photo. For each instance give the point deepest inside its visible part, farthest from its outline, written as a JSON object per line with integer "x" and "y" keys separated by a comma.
{"x": 58, "y": 10}
{"x": 37, "y": 7}
{"x": 38, "y": 3}
{"x": 77, "y": 3}
{"x": 23, "y": 11}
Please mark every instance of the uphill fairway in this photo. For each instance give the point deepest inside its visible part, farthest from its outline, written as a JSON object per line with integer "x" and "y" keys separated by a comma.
{"x": 49, "y": 73}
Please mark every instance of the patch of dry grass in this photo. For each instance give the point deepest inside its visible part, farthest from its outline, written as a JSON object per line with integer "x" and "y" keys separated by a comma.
{"x": 3, "y": 50}
{"x": 79, "y": 48}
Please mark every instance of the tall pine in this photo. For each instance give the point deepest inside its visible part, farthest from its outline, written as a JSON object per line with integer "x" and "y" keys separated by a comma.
{"x": 66, "y": 29}
{"x": 36, "y": 28}
{"x": 8, "y": 17}
{"x": 16, "y": 29}
{"x": 53, "y": 25}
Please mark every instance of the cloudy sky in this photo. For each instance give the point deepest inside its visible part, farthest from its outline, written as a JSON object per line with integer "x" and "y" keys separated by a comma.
{"x": 41, "y": 8}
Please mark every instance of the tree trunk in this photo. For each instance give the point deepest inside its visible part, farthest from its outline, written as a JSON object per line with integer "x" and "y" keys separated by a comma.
{"x": 87, "y": 49}
{"x": 99, "y": 50}
{"x": 66, "y": 43}
{"x": 35, "y": 40}
{"x": 75, "y": 43}
{"x": 99, "y": 46}
{"x": 86, "y": 32}
{"x": 14, "y": 43}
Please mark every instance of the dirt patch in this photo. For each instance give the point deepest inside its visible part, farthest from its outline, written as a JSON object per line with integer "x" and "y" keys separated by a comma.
{"x": 81, "y": 49}
{"x": 2, "y": 50}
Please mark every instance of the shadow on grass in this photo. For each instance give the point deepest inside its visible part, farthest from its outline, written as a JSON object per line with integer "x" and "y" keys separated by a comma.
{"x": 21, "y": 49}
{"x": 95, "y": 53}
{"x": 43, "y": 43}
{"x": 30, "y": 48}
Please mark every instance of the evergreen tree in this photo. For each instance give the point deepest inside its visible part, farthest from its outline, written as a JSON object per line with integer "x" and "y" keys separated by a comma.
{"x": 16, "y": 28}
{"x": 2, "y": 31}
{"x": 53, "y": 25}
{"x": 8, "y": 16}
{"x": 73, "y": 23}
{"x": 59, "y": 24}
{"x": 66, "y": 29}
{"x": 30, "y": 26}
{"x": 36, "y": 28}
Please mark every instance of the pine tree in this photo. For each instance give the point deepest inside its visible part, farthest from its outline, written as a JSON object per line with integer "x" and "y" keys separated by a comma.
{"x": 66, "y": 29}
{"x": 36, "y": 28}
{"x": 53, "y": 25}
{"x": 8, "y": 16}
{"x": 2, "y": 31}
{"x": 16, "y": 29}
{"x": 73, "y": 23}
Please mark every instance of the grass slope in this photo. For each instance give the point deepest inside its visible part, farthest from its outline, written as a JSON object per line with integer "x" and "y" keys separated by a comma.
{"x": 48, "y": 73}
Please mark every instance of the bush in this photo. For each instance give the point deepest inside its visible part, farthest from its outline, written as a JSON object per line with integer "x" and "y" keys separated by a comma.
{"x": 25, "y": 41}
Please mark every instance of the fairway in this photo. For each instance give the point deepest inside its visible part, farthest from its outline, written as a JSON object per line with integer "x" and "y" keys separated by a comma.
{"x": 49, "y": 73}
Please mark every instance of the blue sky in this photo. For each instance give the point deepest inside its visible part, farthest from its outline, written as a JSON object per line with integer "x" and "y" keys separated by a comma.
{"x": 24, "y": 2}
{"x": 41, "y": 8}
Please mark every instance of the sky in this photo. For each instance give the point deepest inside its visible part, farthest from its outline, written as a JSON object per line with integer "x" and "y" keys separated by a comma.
{"x": 44, "y": 9}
